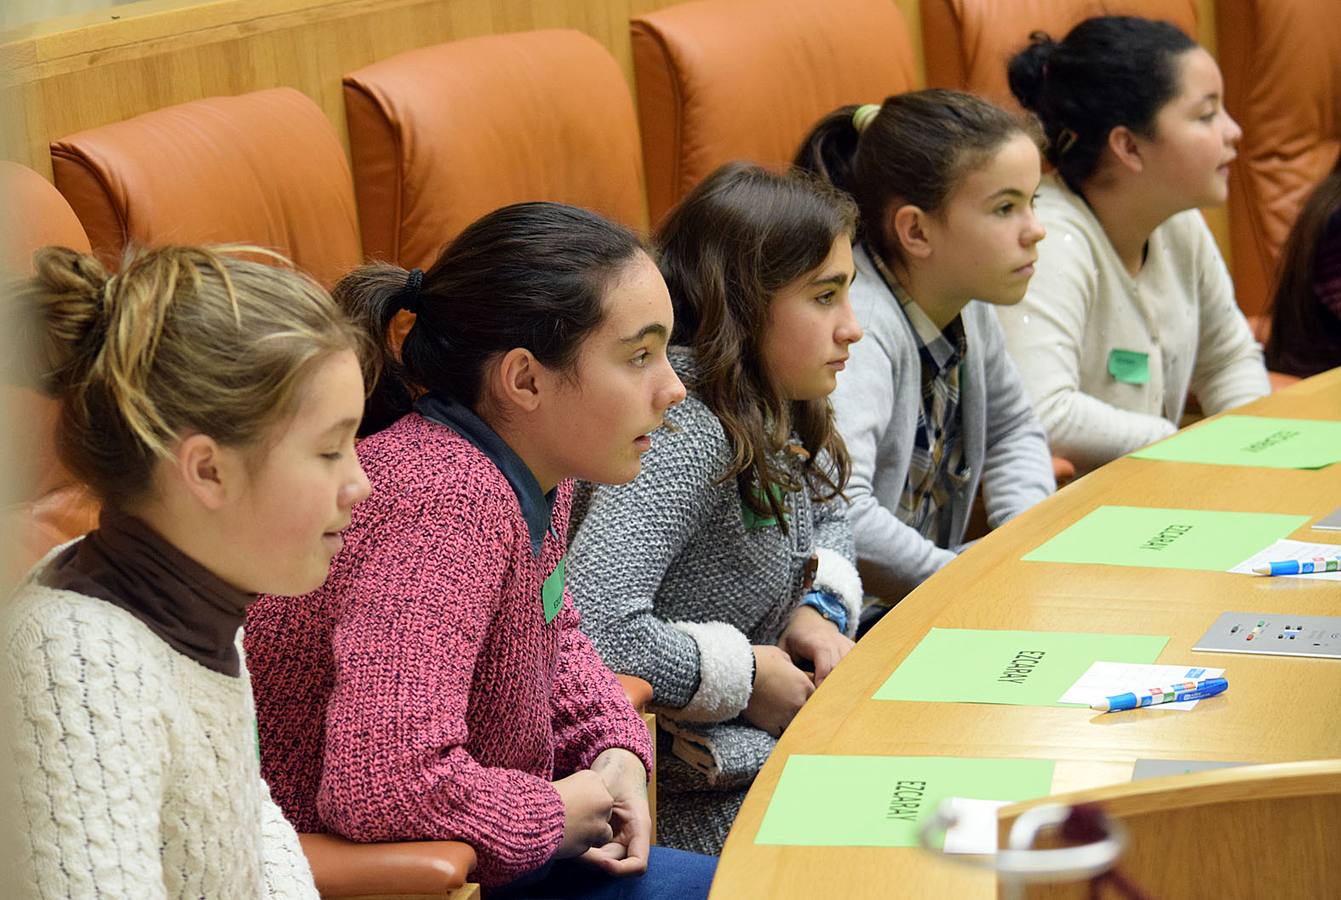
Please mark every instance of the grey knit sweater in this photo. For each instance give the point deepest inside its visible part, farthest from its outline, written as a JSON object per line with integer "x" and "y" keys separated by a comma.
{"x": 675, "y": 584}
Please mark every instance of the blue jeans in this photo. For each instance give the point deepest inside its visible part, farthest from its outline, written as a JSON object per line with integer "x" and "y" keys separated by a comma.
{"x": 671, "y": 875}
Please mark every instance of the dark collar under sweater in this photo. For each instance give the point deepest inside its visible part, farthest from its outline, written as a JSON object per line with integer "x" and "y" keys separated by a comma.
{"x": 537, "y": 508}
{"x": 131, "y": 566}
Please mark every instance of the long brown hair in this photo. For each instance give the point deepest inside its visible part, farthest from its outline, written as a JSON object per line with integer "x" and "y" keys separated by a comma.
{"x": 737, "y": 239}
{"x": 1302, "y": 334}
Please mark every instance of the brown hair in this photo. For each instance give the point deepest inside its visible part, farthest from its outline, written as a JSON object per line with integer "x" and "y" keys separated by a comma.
{"x": 1107, "y": 72}
{"x": 916, "y": 150}
{"x": 183, "y": 340}
{"x": 531, "y": 275}
{"x": 739, "y": 237}
{"x": 1303, "y": 335}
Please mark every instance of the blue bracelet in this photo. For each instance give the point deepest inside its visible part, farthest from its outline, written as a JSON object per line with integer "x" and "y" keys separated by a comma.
{"x": 828, "y": 605}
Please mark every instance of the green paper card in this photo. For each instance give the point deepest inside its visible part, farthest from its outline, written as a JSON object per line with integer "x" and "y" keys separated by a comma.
{"x": 881, "y": 801}
{"x": 1129, "y": 367}
{"x": 1166, "y": 538}
{"x": 1020, "y": 668}
{"x": 551, "y": 592}
{"x": 1253, "y": 441}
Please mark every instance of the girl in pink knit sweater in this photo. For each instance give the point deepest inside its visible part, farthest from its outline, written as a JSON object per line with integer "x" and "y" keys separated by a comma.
{"x": 437, "y": 686}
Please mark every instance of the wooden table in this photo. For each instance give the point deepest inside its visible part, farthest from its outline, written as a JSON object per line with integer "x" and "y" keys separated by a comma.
{"x": 1278, "y": 709}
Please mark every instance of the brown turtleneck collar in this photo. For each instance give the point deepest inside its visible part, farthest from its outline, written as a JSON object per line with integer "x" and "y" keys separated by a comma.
{"x": 131, "y": 566}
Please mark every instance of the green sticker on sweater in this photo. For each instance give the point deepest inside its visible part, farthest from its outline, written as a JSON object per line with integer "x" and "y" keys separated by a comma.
{"x": 752, "y": 519}
{"x": 551, "y": 592}
{"x": 1129, "y": 367}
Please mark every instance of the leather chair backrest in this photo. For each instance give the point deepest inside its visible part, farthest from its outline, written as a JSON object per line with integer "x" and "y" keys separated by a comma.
{"x": 51, "y": 507}
{"x": 442, "y": 135}
{"x": 720, "y": 80}
{"x": 263, "y": 168}
{"x": 1283, "y": 85}
{"x": 967, "y": 43}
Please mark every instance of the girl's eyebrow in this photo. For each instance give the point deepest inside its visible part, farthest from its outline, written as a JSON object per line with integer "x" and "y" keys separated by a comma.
{"x": 651, "y": 328}
{"x": 838, "y": 279}
{"x": 1007, "y": 192}
{"x": 341, "y": 426}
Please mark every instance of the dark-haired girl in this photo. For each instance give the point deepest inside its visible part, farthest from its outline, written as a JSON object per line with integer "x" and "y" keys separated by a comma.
{"x": 1132, "y": 304}
{"x": 1306, "y": 311}
{"x": 437, "y": 686}
{"x": 931, "y": 407}
{"x": 723, "y": 574}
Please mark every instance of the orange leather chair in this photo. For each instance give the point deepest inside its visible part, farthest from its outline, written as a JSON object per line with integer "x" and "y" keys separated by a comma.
{"x": 264, "y": 168}
{"x": 442, "y": 135}
{"x": 1283, "y": 84}
{"x": 747, "y": 79}
{"x": 967, "y": 43}
{"x": 51, "y": 508}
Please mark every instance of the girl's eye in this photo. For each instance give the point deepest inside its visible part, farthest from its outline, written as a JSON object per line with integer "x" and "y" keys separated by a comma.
{"x": 1005, "y": 209}
{"x": 1033, "y": 201}
{"x": 641, "y": 359}
{"x": 826, "y": 298}
{"x": 335, "y": 456}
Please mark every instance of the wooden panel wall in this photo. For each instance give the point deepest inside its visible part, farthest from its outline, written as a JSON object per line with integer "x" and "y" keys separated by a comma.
{"x": 83, "y": 70}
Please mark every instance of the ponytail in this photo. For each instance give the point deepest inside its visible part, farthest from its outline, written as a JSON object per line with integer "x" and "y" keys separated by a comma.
{"x": 182, "y": 340}
{"x": 530, "y": 275}
{"x": 915, "y": 149}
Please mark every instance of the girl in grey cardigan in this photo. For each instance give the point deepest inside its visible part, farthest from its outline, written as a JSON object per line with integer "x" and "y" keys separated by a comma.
{"x": 931, "y": 406}
{"x": 724, "y": 574}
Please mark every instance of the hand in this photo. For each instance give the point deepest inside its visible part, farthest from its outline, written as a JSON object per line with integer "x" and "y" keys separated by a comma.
{"x": 626, "y": 780}
{"x": 586, "y": 812}
{"x": 811, "y": 637}
{"x": 779, "y": 690}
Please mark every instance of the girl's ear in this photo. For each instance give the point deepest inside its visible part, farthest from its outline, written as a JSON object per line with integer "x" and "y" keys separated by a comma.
{"x": 518, "y": 379}
{"x": 209, "y": 473}
{"x": 908, "y": 225}
{"x": 1126, "y": 148}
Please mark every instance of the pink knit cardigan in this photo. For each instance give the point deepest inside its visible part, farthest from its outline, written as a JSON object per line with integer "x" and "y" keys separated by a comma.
{"x": 419, "y": 693}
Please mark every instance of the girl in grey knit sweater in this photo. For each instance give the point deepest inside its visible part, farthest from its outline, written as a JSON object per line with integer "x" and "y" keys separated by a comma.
{"x": 724, "y": 574}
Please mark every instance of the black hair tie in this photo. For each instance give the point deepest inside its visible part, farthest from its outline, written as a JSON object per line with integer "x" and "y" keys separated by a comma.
{"x": 409, "y": 295}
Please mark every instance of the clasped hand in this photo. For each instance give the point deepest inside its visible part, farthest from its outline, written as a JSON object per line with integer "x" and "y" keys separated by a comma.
{"x": 606, "y": 819}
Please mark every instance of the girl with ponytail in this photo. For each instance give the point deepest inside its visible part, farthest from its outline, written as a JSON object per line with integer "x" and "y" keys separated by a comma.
{"x": 930, "y": 406}
{"x": 210, "y": 403}
{"x": 1132, "y": 304}
{"x": 437, "y": 687}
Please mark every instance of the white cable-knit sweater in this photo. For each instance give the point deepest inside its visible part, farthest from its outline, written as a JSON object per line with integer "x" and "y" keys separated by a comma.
{"x": 136, "y": 767}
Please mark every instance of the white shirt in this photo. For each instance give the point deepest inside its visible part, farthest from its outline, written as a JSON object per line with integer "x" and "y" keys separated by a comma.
{"x": 1178, "y": 312}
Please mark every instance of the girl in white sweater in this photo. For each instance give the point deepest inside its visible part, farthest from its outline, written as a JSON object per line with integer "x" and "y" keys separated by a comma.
{"x": 211, "y": 404}
{"x": 1132, "y": 304}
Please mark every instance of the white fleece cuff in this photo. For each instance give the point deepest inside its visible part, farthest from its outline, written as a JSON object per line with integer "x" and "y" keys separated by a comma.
{"x": 838, "y": 576}
{"x": 725, "y": 672}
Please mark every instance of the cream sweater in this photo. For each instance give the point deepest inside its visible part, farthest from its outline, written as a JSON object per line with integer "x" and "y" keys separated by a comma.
{"x": 137, "y": 769}
{"x": 1082, "y": 305}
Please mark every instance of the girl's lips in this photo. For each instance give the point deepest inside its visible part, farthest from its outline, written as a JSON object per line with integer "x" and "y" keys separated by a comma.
{"x": 643, "y": 443}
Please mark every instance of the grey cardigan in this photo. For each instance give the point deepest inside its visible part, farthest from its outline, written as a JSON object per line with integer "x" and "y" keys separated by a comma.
{"x": 877, "y": 402}
{"x": 674, "y": 588}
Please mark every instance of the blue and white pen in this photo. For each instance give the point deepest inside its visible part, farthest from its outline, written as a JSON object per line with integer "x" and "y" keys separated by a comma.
{"x": 1183, "y": 690}
{"x": 1301, "y": 566}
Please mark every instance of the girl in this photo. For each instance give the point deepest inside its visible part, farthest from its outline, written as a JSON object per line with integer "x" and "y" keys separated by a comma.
{"x": 211, "y": 404}
{"x": 931, "y": 406}
{"x": 1306, "y": 313}
{"x": 692, "y": 576}
{"x": 437, "y": 686}
{"x": 1132, "y": 303}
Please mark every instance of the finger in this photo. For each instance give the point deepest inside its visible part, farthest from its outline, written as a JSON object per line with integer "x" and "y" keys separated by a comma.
{"x": 631, "y": 865}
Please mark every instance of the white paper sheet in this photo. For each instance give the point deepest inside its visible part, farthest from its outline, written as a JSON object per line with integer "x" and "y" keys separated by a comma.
{"x": 1284, "y": 550}
{"x": 975, "y": 826}
{"x": 1106, "y": 679}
